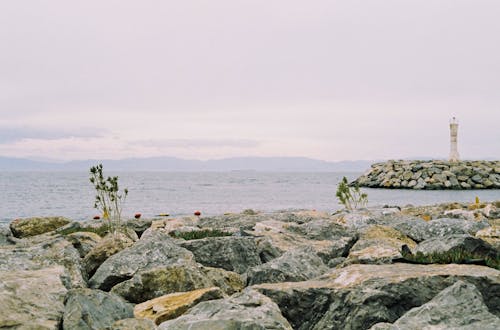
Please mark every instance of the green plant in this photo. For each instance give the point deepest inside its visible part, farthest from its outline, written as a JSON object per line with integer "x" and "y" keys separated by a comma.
{"x": 108, "y": 198}
{"x": 198, "y": 234}
{"x": 351, "y": 198}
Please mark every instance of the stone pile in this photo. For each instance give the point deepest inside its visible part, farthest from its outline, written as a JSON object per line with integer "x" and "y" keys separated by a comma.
{"x": 378, "y": 268}
{"x": 432, "y": 175}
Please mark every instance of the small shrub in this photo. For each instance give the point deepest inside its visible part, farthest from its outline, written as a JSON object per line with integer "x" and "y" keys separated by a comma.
{"x": 198, "y": 234}
{"x": 108, "y": 198}
{"x": 351, "y": 198}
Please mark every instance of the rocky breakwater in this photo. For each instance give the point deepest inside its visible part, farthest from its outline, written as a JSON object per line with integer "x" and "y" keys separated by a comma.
{"x": 380, "y": 268}
{"x": 432, "y": 175}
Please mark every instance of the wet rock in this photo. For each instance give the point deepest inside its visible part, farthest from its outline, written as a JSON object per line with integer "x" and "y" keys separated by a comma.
{"x": 379, "y": 244}
{"x": 246, "y": 310}
{"x": 293, "y": 266}
{"x": 174, "y": 305}
{"x": 105, "y": 248}
{"x": 94, "y": 309}
{"x": 459, "y": 306}
{"x": 230, "y": 253}
{"x": 32, "y": 299}
{"x": 157, "y": 250}
{"x": 35, "y": 226}
{"x": 157, "y": 282}
{"x": 359, "y": 296}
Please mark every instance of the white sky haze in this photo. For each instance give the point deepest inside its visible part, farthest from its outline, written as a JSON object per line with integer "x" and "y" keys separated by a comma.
{"x": 332, "y": 80}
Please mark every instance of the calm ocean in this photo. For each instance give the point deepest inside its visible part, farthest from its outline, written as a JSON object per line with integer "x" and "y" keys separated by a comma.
{"x": 70, "y": 194}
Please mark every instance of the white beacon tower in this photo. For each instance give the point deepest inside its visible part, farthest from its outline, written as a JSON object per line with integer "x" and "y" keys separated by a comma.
{"x": 454, "y": 156}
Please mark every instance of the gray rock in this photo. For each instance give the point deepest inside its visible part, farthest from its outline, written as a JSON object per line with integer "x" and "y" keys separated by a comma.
{"x": 105, "y": 248}
{"x": 460, "y": 245}
{"x": 51, "y": 251}
{"x": 359, "y": 296}
{"x": 419, "y": 230}
{"x": 293, "y": 266}
{"x": 139, "y": 226}
{"x": 246, "y": 310}
{"x": 157, "y": 250}
{"x": 133, "y": 324}
{"x": 459, "y": 306}
{"x": 84, "y": 242}
{"x": 156, "y": 282}
{"x": 35, "y": 226}
{"x": 5, "y": 236}
{"x": 32, "y": 299}
{"x": 230, "y": 253}
{"x": 94, "y": 309}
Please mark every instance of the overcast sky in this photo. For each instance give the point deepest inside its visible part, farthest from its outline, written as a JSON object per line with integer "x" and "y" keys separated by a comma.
{"x": 332, "y": 80}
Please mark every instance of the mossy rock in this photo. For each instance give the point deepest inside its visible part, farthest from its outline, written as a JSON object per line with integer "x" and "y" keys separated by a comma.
{"x": 28, "y": 227}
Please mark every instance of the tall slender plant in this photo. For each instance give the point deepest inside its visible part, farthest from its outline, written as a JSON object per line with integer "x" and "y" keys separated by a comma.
{"x": 351, "y": 198}
{"x": 108, "y": 197}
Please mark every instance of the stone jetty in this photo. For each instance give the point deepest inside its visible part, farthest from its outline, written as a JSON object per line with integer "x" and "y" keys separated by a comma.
{"x": 378, "y": 268}
{"x": 432, "y": 175}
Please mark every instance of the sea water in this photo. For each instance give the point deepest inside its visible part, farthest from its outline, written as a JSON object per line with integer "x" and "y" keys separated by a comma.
{"x": 70, "y": 194}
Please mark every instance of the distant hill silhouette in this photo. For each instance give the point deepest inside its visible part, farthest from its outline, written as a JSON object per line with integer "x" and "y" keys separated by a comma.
{"x": 278, "y": 164}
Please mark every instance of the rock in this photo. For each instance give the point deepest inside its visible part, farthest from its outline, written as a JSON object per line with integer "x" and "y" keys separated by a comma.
{"x": 33, "y": 255}
{"x": 246, "y": 310}
{"x": 490, "y": 235}
{"x": 32, "y": 299}
{"x": 421, "y": 230}
{"x": 156, "y": 250}
{"x": 460, "y": 214}
{"x": 35, "y": 226}
{"x": 156, "y": 282}
{"x": 139, "y": 226}
{"x": 433, "y": 174}
{"x": 94, "y": 309}
{"x": 378, "y": 244}
{"x": 459, "y": 306}
{"x": 5, "y": 236}
{"x": 460, "y": 246}
{"x": 328, "y": 238}
{"x": 84, "y": 242}
{"x": 230, "y": 253}
{"x": 133, "y": 324}
{"x": 105, "y": 248}
{"x": 359, "y": 296}
{"x": 174, "y": 305}
{"x": 293, "y": 266}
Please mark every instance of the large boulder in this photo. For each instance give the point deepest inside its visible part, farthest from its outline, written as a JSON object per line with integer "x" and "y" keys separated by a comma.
{"x": 457, "y": 246}
{"x": 157, "y": 250}
{"x": 32, "y": 299}
{"x": 378, "y": 244}
{"x": 459, "y": 306}
{"x": 33, "y": 255}
{"x": 174, "y": 305}
{"x": 156, "y": 282}
{"x": 230, "y": 253}
{"x": 359, "y": 296}
{"x": 328, "y": 239}
{"x": 246, "y": 310}
{"x": 105, "y": 248}
{"x": 35, "y": 226}
{"x": 296, "y": 265}
{"x": 420, "y": 231}
{"x": 94, "y": 309}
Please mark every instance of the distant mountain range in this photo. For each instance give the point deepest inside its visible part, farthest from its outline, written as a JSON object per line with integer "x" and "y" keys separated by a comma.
{"x": 278, "y": 164}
